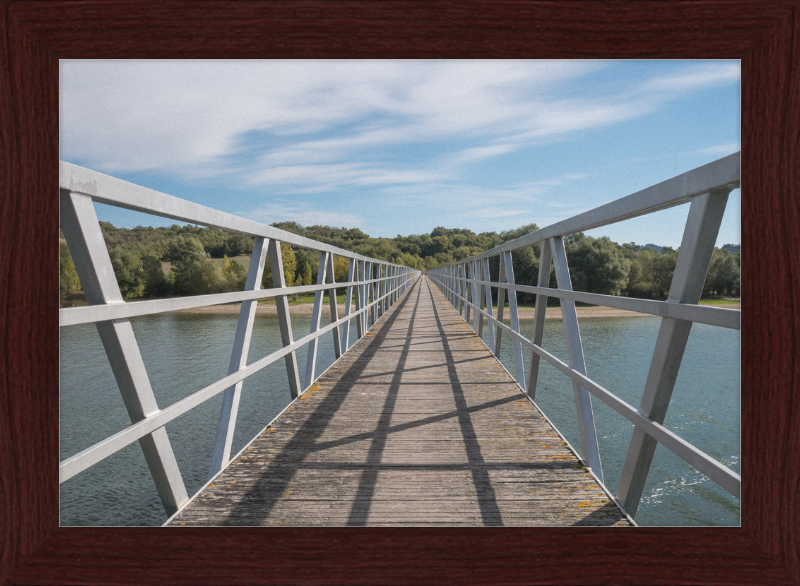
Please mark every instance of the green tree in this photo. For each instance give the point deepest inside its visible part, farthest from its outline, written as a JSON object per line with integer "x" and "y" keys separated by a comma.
{"x": 289, "y": 268}
{"x": 303, "y": 268}
{"x": 239, "y": 244}
{"x": 185, "y": 250}
{"x": 597, "y": 265}
{"x": 156, "y": 284}
{"x": 195, "y": 273}
{"x": 341, "y": 266}
{"x": 128, "y": 270}
{"x": 200, "y": 277}
{"x": 661, "y": 269}
{"x": 68, "y": 277}
{"x": 234, "y": 274}
{"x": 724, "y": 276}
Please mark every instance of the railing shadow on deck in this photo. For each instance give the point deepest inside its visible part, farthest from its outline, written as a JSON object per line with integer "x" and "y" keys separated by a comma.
{"x": 467, "y": 285}
{"x": 490, "y": 512}
{"x": 294, "y": 457}
{"x": 285, "y": 465}
{"x": 373, "y": 284}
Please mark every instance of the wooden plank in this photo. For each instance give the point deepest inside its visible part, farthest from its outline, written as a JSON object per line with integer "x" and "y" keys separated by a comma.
{"x": 418, "y": 424}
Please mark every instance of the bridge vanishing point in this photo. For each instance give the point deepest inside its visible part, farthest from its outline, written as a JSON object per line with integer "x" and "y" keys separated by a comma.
{"x": 417, "y": 422}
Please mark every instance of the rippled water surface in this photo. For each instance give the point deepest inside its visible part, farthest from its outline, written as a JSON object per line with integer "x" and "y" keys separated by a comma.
{"x": 704, "y": 410}
{"x": 184, "y": 353}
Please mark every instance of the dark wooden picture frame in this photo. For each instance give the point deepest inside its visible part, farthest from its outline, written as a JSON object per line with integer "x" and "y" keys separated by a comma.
{"x": 764, "y": 35}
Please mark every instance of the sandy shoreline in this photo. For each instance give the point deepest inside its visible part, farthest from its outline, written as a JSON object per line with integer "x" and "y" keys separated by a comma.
{"x": 307, "y": 309}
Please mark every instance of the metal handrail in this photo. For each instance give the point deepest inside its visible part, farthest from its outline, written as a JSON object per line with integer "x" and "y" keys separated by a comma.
{"x": 374, "y": 285}
{"x": 467, "y": 285}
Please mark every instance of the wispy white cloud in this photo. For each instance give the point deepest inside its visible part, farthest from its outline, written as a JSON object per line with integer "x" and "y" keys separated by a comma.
{"x": 322, "y": 178}
{"x": 301, "y": 213}
{"x": 721, "y": 149}
{"x": 477, "y": 153}
{"x": 411, "y": 134}
{"x": 697, "y": 77}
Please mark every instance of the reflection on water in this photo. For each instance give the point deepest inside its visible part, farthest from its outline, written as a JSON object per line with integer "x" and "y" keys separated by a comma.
{"x": 184, "y": 353}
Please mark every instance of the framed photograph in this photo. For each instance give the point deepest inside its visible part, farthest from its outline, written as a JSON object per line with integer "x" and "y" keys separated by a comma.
{"x": 34, "y": 549}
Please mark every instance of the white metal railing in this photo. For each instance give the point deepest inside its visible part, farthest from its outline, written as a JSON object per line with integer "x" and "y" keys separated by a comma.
{"x": 375, "y": 285}
{"x": 467, "y": 285}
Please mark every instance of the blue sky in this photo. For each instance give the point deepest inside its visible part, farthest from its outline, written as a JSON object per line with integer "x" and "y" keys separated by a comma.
{"x": 400, "y": 147}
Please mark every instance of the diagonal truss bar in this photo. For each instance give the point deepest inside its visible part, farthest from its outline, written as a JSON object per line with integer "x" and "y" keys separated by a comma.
{"x": 367, "y": 290}
{"x": 476, "y": 294}
{"x": 284, "y": 318}
{"x": 337, "y": 339}
{"x": 370, "y": 294}
{"x": 501, "y": 304}
{"x": 488, "y": 298}
{"x": 691, "y": 268}
{"x": 481, "y": 297}
{"x": 241, "y": 347}
{"x": 348, "y": 299}
{"x": 545, "y": 260}
{"x": 514, "y": 314}
{"x": 465, "y": 289}
{"x": 583, "y": 399}
{"x": 378, "y": 293}
{"x": 311, "y": 360}
{"x": 361, "y": 300}
{"x": 93, "y": 264}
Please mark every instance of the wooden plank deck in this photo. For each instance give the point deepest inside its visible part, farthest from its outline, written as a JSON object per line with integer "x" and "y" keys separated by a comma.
{"x": 418, "y": 424}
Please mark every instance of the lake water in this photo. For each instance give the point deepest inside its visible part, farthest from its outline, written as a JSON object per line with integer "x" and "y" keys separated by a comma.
{"x": 184, "y": 353}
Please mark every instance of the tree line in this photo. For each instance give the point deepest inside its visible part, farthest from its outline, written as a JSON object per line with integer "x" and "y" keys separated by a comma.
{"x": 597, "y": 265}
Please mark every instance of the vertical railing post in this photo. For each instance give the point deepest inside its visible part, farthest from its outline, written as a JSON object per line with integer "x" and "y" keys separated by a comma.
{"x": 389, "y": 286}
{"x": 465, "y": 291}
{"x": 371, "y": 290}
{"x": 360, "y": 298}
{"x": 501, "y": 304}
{"x": 378, "y": 288}
{"x": 337, "y": 338}
{"x": 389, "y": 274}
{"x": 311, "y": 359}
{"x": 348, "y": 300}
{"x": 512, "y": 310}
{"x": 284, "y": 318}
{"x": 691, "y": 268}
{"x": 226, "y": 424}
{"x": 393, "y": 286}
{"x": 387, "y": 289}
{"x": 461, "y": 291}
{"x": 451, "y": 271}
{"x": 93, "y": 264}
{"x": 488, "y": 297}
{"x": 454, "y": 287}
{"x": 583, "y": 400}
{"x": 545, "y": 260}
{"x": 381, "y": 289}
{"x": 476, "y": 298}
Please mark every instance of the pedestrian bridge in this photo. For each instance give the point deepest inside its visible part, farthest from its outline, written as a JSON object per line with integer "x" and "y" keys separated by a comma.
{"x": 417, "y": 422}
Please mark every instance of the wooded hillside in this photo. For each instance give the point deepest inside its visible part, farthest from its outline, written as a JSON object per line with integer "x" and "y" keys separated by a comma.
{"x": 597, "y": 265}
